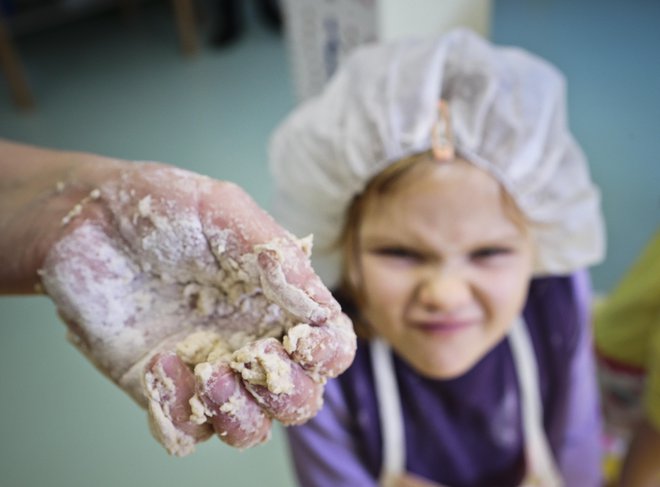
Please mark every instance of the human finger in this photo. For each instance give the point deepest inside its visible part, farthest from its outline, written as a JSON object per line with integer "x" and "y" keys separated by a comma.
{"x": 236, "y": 418}
{"x": 235, "y": 226}
{"x": 280, "y": 385}
{"x": 170, "y": 386}
{"x": 323, "y": 351}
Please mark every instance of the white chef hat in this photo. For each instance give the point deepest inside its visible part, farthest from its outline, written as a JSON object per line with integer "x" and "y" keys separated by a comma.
{"x": 508, "y": 116}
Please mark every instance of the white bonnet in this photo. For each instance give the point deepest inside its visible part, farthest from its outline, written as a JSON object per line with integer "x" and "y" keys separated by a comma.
{"x": 508, "y": 116}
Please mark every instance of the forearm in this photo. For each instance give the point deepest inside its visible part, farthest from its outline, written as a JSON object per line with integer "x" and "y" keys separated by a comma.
{"x": 38, "y": 188}
{"x": 641, "y": 468}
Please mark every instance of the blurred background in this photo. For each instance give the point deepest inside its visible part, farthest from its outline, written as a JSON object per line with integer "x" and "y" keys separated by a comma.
{"x": 120, "y": 79}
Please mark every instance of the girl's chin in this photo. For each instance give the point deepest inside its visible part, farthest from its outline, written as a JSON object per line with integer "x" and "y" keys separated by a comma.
{"x": 443, "y": 370}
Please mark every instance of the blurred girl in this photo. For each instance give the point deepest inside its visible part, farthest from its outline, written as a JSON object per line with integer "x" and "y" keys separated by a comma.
{"x": 462, "y": 210}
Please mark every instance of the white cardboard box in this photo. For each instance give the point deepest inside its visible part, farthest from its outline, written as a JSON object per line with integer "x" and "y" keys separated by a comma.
{"x": 320, "y": 33}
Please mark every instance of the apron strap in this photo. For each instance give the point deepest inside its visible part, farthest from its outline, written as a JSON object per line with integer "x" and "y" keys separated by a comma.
{"x": 389, "y": 409}
{"x": 541, "y": 469}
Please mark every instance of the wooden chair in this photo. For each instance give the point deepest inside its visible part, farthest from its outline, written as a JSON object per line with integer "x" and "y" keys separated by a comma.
{"x": 14, "y": 72}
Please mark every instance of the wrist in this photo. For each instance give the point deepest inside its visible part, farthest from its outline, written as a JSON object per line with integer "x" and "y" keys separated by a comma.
{"x": 43, "y": 195}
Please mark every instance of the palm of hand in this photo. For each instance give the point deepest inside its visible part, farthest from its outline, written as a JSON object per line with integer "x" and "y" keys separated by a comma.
{"x": 199, "y": 305}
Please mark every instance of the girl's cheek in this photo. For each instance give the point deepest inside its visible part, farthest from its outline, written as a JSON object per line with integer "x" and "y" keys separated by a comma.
{"x": 385, "y": 283}
{"x": 506, "y": 291}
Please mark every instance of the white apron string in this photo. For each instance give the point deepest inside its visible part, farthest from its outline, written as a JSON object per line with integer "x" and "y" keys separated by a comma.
{"x": 541, "y": 469}
{"x": 387, "y": 394}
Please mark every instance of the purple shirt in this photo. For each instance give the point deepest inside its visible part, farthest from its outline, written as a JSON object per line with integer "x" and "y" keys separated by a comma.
{"x": 467, "y": 431}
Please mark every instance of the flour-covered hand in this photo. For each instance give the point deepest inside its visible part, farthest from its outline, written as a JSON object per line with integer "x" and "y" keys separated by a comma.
{"x": 196, "y": 302}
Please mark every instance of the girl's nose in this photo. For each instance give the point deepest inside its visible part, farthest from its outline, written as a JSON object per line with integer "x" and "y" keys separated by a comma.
{"x": 444, "y": 290}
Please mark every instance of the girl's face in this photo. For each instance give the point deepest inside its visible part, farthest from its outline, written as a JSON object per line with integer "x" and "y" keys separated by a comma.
{"x": 443, "y": 269}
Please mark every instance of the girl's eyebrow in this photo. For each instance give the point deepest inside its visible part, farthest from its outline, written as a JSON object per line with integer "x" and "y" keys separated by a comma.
{"x": 379, "y": 239}
{"x": 380, "y": 244}
{"x": 411, "y": 237}
{"x": 504, "y": 237}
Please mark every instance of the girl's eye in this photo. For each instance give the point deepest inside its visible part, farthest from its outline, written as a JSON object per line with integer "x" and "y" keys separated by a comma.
{"x": 487, "y": 253}
{"x": 399, "y": 253}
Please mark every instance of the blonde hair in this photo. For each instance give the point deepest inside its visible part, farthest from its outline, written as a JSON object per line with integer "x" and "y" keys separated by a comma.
{"x": 350, "y": 290}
